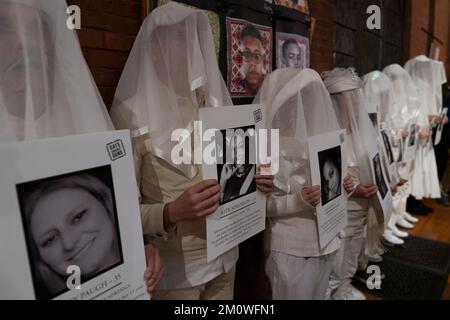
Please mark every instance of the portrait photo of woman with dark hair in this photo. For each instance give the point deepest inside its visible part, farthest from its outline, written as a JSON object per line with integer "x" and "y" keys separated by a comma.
{"x": 330, "y": 174}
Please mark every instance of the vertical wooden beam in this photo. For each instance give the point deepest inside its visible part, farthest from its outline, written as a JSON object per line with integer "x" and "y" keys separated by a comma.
{"x": 407, "y": 30}
{"x": 431, "y": 22}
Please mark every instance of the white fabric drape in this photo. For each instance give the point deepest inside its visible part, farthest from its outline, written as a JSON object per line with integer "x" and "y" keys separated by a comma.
{"x": 171, "y": 72}
{"x": 379, "y": 90}
{"x": 299, "y": 106}
{"x": 405, "y": 93}
{"x": 428, "y": 76}
{"x": 46, "y": 89}
{"x": 349, "y": 105}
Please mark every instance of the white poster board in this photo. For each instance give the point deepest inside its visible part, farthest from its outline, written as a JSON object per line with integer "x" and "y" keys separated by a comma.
{"x": 384, "y": 194}
{"x": 410, "y": 144}
{"x": 70, "y": 227}
{"x": 388, "y": 153}
{"x": 328, "y": 161}
{"x": 242, "y": 210}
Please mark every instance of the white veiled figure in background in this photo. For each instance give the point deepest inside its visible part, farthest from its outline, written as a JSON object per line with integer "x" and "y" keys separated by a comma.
{"x": 408, "y": 111}
{"x": 170, "y": 73}
{"x": 298, "y": 105}
{"x": 428, "y": 76}
{"x": 46, "y": 89}
{"x": 379, "y": 90}
{"x": 405, "y": 95}
{"x": 346, "y": 92}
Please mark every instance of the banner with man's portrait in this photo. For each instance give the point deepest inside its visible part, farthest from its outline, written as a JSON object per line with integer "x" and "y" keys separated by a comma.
{"x": 234, "y": 135}
{"x": 292, "y": 51}
{"x": 249, "y": 56}
{"x": 299, "y": 5}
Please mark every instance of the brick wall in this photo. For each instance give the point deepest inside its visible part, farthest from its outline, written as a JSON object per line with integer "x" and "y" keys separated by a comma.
{"x": 322, "y": 43}
{"x": 437, "y": 21}
{"x": 108, "y": 31}
{"x": 442, "y": 28}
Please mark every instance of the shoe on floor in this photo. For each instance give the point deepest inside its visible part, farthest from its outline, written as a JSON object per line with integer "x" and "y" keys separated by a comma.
{"x": 376, "y": 258}
{"x": 443, "y": 201}
{"x": 410, "y": 218}
{"x": 348, "y": 292}
{"x": 398, "y": 233}
{"x": 417, "y": 207}
{"x": 393, "y": 240}
{"x": 402, "y": 222}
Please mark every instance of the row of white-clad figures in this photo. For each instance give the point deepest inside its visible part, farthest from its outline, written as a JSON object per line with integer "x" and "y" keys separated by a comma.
{"x": 47, "y": 91}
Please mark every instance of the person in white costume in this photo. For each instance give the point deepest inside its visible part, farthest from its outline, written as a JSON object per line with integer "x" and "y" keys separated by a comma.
{"x": 345, "y": 88}
{"x": 46, "y": 89}
{"x": 407, "y": 111}
{"x": 428, "y": 76}
{"x": 171, "y": 72}
{"x": 379, "y": 89}
{"x": 299, "y": 106}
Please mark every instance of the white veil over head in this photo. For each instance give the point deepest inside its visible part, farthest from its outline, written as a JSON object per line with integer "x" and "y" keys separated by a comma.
{"x": 406, "y": 96}
{"x": 379, "y": 90}
{"x": 428, "y": 76}
{"x": 349, "y": 104}
{"x": 46, "y": 89}
{"x": 171, "y": 72}
{"x": 299, "y": 106}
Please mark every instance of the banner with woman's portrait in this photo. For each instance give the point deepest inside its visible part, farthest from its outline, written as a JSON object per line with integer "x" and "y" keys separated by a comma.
{"x": 328, "y": 161}
{"x": 70, "y": 207}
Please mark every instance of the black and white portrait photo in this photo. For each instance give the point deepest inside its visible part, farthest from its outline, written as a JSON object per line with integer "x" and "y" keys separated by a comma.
{"x": 70, "y": 220}
{"x": 292, "y": 51}
{"x": 388, "y": 147}
{"x": 382, "y": 187}
{"x": 374, "y": 118}
{"x": 235, "y": 172}
{"x": 330, "y": 162}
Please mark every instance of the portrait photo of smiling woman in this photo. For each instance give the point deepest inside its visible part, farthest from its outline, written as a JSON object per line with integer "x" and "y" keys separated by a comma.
{"x": 70, "y": 220}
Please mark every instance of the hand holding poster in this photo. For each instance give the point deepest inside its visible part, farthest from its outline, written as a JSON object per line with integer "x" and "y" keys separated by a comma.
{"x": 328, "y": 169}
{"x": 70, "y": 207}
{"x": 241, "y": 214}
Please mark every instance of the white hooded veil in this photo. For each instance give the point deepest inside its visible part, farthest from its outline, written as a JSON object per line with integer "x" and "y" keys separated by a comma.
{"x": 349, "y": 104}
{"x": 406, "y": 96}
{"x": 299, "y": 106}
{"x": 428, "y": 76}
{"x": 46, "y": 89}
{"x": 379, "y": 90}
{"x": 171, "y": 72}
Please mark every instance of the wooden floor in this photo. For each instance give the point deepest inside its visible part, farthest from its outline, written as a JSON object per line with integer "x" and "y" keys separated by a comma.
{"x": 436, "y": 227}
